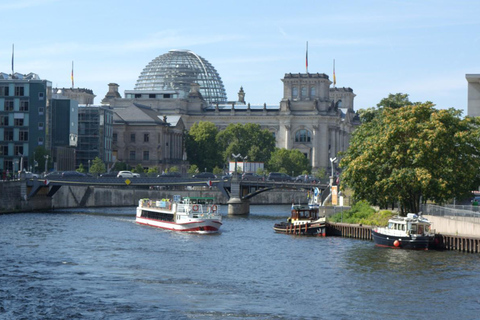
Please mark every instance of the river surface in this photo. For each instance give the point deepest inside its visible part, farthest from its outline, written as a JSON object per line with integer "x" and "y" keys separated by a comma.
{"x": 99, "y": 264}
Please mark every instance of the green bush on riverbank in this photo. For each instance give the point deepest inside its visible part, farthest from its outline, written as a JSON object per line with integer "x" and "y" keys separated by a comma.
{"x": 362, "y": 213}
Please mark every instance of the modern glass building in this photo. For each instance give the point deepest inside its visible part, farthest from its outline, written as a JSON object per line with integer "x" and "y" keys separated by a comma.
{"x": 24, "y": 125}
{"x": 177, "y": 70}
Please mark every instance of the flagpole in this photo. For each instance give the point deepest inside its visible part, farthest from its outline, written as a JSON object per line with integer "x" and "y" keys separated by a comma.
{"x": 306, "y": 59}
{"x": 13, "y": 54}
{"x": 72, "y": 77}
{"x": 334, "y": 78}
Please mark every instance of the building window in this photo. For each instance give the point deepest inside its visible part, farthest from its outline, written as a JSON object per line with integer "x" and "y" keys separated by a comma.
{"x": 3, "y": 120}
{"x": 152, "y": 96}
{"x": 41, "y": 96}
{"x": 312, "y": 93}
{"x": 304, "y": 92}
{"x": 40, "y": 126}
{"x": 8, "y": 105}
{"x": 20, "y": 91}
{"x": 146, "y": 155}
{"x": 132, "y": 137}
{"x": 114, "y": 138}
{"x": 18, "y": 122}
{"x": 132, "y": 155}
{"x": 4, "y": 150}
{"x": 138, "y": 96}
{"x": 8, "y": 135}
{"x": 18, "y": 150}
{"x": 23, "y": 105}
{"x": 23, "y": 135}
{"x": 303, "y": 136}
{"x": 40, "y": 111}
{"x": 294, "y": 93}
{"x": 145, "y": 137}
{"x": 4, "y": 91}
{"x": 40, "y": 141}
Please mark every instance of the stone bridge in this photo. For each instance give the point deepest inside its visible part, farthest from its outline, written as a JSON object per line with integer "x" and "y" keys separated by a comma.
{"x": 238, "y": 192}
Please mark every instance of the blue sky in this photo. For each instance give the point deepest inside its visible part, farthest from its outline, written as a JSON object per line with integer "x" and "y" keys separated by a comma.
{"x": 423, "y": 48}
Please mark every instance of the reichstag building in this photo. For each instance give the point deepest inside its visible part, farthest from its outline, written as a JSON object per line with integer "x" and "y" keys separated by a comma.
{"x": 180, "y": 88}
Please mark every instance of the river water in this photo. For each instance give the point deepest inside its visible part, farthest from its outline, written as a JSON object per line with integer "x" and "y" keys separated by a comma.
{"x": 99, "y": 264}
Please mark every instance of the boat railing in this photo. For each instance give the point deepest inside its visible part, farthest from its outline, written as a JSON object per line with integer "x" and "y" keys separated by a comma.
{"x": 200, "y": 210}
{"x": 157, "y": 204}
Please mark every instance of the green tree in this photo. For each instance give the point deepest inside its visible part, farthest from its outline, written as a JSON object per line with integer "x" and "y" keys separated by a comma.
{"x": 201, "y": 146}
{"x": 193, "y": 169}
{"x": 81, "y": 168}
{"x": 249, "y": 140}
{"x": 395, "y": 101}
{"x": 173, "y": 169}
{"x": 121, "y": 166}
{"x": 98, "y": 166}
{"x": 291, "y": 162}
{"x": 152, "y": 172}
{"x": 138, "y": 169}
{"x": 40, "y": 153}
{"x": 413, "y": 152}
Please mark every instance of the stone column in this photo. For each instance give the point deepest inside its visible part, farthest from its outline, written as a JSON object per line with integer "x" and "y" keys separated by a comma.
{"x": 288, "y": 142}
{"x": 333, "y": 142}
{"x": 323, "y": 152}
{"x": 315, "y": 140}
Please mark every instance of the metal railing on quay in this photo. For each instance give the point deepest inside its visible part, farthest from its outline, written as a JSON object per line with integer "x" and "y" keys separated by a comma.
{"x": 466, "y": 213}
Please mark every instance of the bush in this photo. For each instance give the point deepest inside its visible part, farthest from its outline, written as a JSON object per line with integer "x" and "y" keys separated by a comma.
{"x": 362, "y": 213}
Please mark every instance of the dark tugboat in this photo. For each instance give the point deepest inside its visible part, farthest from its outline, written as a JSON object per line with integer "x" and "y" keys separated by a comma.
{"x": 304, "y": 220}
{"x": 410, "y": 232}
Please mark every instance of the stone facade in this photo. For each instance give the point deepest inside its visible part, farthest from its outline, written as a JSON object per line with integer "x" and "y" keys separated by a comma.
{"x": 312, "y": 117}
{"x": 144, "y": 136}
{"x": 473, "y": 108}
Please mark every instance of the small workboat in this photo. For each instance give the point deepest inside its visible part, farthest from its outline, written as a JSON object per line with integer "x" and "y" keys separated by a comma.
{"x": 187, "y": 214}
{"x": 304, "y": 219}
{"x": 410, "y": 232}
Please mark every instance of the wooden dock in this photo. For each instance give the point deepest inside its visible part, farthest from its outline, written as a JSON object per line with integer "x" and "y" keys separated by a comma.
{"x": 467, "y": 244}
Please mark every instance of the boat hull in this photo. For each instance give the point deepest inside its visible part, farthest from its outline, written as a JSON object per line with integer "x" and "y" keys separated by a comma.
{"x": 308, "y": 229}
{"x": 200, "y": 226}
{"x": 401, "y": 242}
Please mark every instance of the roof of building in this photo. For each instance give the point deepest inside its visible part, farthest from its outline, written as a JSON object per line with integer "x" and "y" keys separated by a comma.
{"x": 177, "y": 70}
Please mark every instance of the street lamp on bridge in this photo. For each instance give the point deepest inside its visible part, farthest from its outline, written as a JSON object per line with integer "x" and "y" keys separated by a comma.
{"x": 244, "y": 159}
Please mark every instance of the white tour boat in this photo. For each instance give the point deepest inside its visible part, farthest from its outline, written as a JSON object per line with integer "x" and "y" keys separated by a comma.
{"x": 187, "y": 214}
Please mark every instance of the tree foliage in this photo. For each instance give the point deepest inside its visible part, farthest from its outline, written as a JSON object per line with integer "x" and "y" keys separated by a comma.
{"x": 201, "y": 146}
{"x": 416, "y": 151}
{"x": 248, "y": 140}
{"x": 395, "y": 101}
{"x": 40, "y": 153}
{"x": 138, "y": 169}
{"x": 97, "y": 166}
{"x": 291, "y": 162}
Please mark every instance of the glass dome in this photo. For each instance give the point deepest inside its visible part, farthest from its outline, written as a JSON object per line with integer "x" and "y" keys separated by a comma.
{"x": 177, "y": 70}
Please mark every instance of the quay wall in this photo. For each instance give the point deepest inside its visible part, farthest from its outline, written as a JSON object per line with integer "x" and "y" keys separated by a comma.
{"x": 13, "y": 195}
{"x": 464, "y": 226}
{"x": 462, "y": 243}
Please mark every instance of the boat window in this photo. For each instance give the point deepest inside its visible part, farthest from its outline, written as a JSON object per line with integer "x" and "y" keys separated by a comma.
{"x": 420, "y": 229}
{"x": 414, "y": 228}
{"x": 403, "y": 227}
{"x": 390, "y": 225}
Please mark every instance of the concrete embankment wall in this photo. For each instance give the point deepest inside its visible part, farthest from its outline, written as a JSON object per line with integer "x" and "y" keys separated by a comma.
{"x": 13, "y": 198}
{"x": 444, "y": 225}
